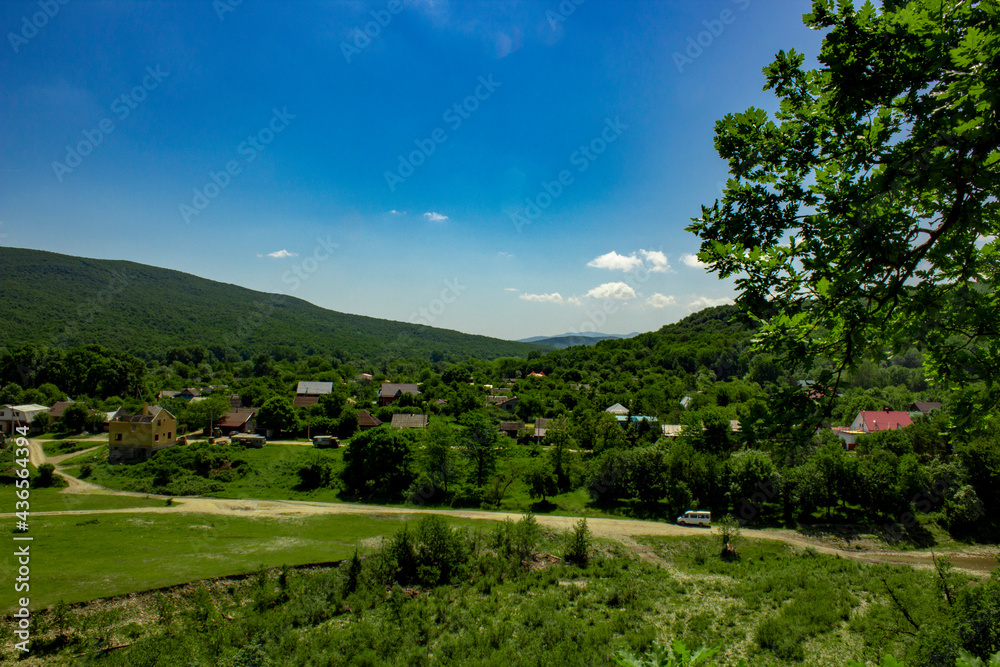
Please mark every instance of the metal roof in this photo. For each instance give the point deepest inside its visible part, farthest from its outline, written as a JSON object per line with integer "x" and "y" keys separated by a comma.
{"x": 314, "y": 388}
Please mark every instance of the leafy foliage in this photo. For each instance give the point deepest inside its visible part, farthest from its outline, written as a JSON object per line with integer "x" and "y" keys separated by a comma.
{"x": 863, "y": 217}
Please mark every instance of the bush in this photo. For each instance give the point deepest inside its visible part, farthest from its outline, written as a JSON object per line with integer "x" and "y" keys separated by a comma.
{"x": 86, "y": 470}
{"x": 46, "y": 475}
{"x": 578, "y": 547}
{"x": 729, "y": 534}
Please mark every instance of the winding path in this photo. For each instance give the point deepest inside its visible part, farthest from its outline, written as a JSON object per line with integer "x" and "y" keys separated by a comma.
{"x": 976, "y": 560}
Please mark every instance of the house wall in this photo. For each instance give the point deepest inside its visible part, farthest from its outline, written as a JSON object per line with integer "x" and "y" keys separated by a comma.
{"x": 139, "y": 441}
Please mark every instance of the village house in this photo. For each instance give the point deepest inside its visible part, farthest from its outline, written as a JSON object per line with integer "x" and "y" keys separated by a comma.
{"x": 511, "y": 428}
{"x": 392, "y": 391}
{"x": 367, "y": 421}
{"x": 136, "y": 438}
{"x": 871, "y": 421}
{"x": 505, "y": 403}
{"x": 12, "y": 416}
{"x": 308, "y": 393}
{"x": 239, "y": 420}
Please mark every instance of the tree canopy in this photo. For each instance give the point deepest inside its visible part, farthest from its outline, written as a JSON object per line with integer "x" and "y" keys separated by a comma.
{"x": 862, "y": 218}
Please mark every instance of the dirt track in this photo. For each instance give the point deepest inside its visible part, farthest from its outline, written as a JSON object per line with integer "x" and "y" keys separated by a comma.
{"x": 977, "y": 560}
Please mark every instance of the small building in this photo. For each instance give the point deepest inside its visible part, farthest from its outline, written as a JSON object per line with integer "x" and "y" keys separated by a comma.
{"x": 511, "y": 429}
{"x": 188, "y": 393}
{"x": 136, "y": 438}
{"x": 849, "y": 437}
{"x": 617, "y": 409}
{"x": 240, "y": 420}
{"x": 13, "y": 416}
{"x": 58, "y": 408}
{"x": 872, "y": 421}
{"x": 925, "y": 408}
{"x": 366, "y": 420}
{"x": 536, "y": 374}
{"x": 671, "y": 430}
{"x": 400, "y": 420}
{"x": 308, "y": 393}
{"x": 505, "y": 403}
{"x": 541, "y": 427}
{"x": 393, "y": 391}
{"x": 168, "y": 393}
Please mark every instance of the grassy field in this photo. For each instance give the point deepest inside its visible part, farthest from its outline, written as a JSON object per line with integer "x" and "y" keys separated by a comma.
{"x": 81, "y": 557}
{"x": 774, "y": 605}
{"x": 51, "y": 500}
{"x": 60, "y": 447}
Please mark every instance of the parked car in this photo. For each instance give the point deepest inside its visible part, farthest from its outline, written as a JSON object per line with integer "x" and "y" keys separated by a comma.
{"x": 695, "y": 518}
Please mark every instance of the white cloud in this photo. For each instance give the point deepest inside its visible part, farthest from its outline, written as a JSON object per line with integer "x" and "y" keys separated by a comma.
{"x": 693, "y": 261}
{"x": 574, "y": 301}
{"x": 395, "y": 212}
{"x": 280, "y": 254}
{"x": 615, "y": 262}
{"x": 510, "y": 289}
{"x": 505, "y": 255}
{"x": 657, "y": 261}
{"x": 555, "y": 297}
{"x": 435, "y": 217}
{"x": 612, "y": 291}
{"x": 705, "y": 302}
{"x": 660, "y": 301}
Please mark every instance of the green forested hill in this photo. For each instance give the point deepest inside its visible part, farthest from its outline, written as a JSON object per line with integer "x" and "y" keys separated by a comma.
{"x": 63, "y": 301}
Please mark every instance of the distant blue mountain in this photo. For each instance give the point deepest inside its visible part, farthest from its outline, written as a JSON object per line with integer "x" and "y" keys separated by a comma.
{"x": 570, "y": 339}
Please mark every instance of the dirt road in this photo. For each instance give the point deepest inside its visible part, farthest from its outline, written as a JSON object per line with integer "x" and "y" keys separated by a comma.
{"x": 976, "y": 560}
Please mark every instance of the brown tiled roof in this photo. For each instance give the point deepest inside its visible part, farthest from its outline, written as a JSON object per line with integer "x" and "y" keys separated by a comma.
{"x": 511, "y": 426}
{"x": 365, "y": 418}
{"x": 58, "y": 408}
{"x": 236, "y": 418}
{"x": 398, "y": 389}
{"x": 305, "y": 401}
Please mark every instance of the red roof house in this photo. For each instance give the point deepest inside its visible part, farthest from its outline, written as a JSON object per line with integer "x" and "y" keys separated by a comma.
{"x": 872, "y": 421}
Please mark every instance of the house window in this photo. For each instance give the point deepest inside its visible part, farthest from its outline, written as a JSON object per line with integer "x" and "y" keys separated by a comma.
{"x": 169, "y": 434}
{"x": 118, "y": 436}
{"x": 156, "y": 438}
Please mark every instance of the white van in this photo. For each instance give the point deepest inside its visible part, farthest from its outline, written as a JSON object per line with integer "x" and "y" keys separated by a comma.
{"x": 695, "y": 518}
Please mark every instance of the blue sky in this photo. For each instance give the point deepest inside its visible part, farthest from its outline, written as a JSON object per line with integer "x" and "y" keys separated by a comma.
{"x": 509, "y": 169}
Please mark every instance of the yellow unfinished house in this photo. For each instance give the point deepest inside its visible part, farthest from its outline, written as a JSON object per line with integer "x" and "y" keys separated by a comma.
{"x": 134, "y": 438}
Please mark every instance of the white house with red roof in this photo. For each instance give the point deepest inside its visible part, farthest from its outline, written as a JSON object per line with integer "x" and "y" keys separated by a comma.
{"x": 872, "y": 421}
